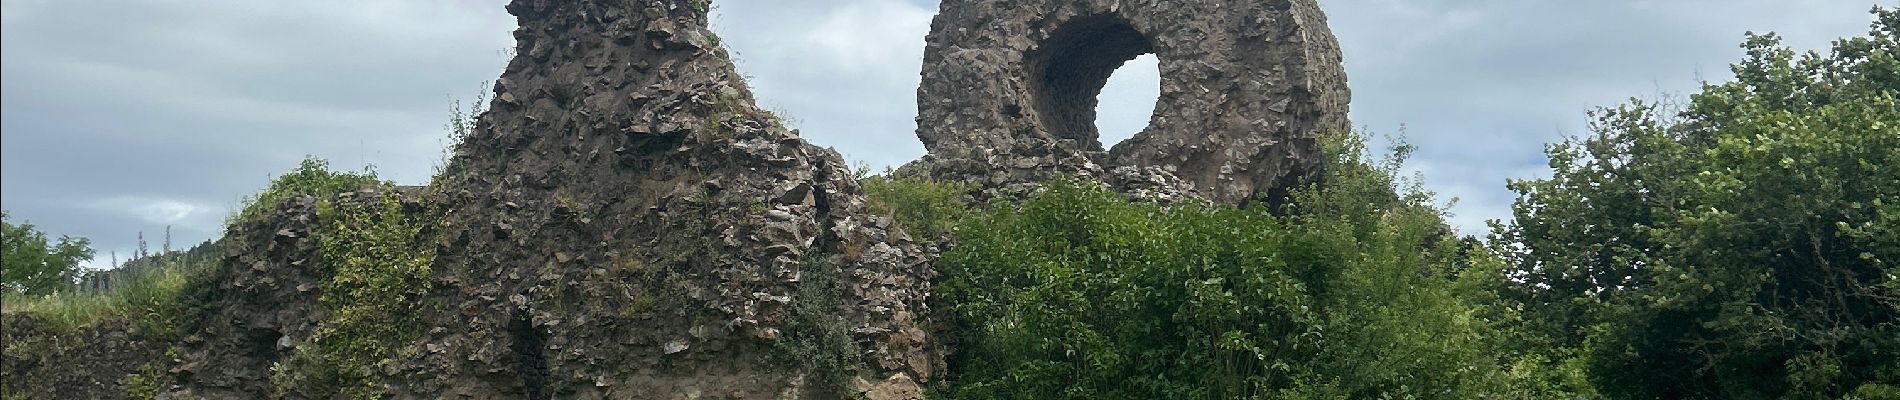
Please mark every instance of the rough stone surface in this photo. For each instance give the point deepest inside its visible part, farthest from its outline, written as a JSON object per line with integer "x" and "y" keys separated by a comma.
{"x": 91, "y": 363}
{"x": 625, "y": 223}
{"x": 262, "y": 301}
{"x": 264, "y": 294}
{"x": 1009, "y": 87}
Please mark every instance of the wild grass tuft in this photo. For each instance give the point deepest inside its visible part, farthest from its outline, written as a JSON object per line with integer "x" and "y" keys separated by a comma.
{"x": 151, "y": 300}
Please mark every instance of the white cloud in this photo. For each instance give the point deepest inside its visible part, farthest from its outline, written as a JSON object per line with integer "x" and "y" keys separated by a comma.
{"x": 156, "y": 211}
{"x": 873, "y": 35}
{"x": 126, "y": 116}
{"x": 846, "y": 71}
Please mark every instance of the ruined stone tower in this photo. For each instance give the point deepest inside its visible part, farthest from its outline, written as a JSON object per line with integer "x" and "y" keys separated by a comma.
{"x": 1008, "y": 93}
{"x": 623, "y": 222}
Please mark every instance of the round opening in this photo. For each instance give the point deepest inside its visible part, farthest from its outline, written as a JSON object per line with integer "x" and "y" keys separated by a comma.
{"x": 1071, "y": 67}
{"x": 1128, "y": 100}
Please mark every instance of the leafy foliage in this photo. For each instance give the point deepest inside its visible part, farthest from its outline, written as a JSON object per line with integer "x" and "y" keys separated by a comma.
{"x": 378, "y": 263}
{"x": 312, "y": 177}
{"x": 146, "y": 383}
{"x": 161, "y": 301}
{"x": 1745, "y": 247}
{"x": 816, "y": 336}
{"x": 32, "y": 265}
{"x": 928, "y": 209}
{"x": 1078, "y": 293}
{"x": 462, "y": 120}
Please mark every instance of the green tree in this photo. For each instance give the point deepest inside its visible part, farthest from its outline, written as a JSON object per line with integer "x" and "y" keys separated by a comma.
{"x": 35, "y": 265}
{"x": 1743, "y": 247}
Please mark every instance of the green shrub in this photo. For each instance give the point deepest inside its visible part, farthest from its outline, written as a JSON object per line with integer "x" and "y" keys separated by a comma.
{"x": 926, "y": 209}
{"x": 376, "y": 260}
{"x": 162, "y": 300}
{"x": 1078, "y": 293}
{"x": 312, "y": 177}
{"x": 816, "y": 335}
{"x": 30, "y": 265}
{"x": 145, "y": 383}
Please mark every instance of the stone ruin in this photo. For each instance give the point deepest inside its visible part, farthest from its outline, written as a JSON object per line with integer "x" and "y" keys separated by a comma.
{"x": 624, "y": 222}
{"x": 1009, "y": 93}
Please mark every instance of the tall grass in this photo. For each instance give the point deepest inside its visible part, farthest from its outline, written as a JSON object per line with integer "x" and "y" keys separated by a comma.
{"x": 926, "y": 208}
{"x": 152, "y": 300}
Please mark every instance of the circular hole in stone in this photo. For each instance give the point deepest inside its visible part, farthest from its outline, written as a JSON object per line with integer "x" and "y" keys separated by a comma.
{"x": 1128, "y": 100}
{"x": 1070, "y": 68}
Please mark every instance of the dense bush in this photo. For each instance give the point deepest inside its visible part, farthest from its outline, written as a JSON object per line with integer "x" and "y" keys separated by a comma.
{"x": 1079, "y": 293}
{"x": 312, "y": 177}
{"x": 927, "y": 209}
{"x": 163, "y": 298}
{"x": 1746, "y": 246}
{"x": 375, "y": 267}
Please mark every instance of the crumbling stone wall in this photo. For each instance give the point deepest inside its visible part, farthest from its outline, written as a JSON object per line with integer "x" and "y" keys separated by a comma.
{"x": 624, "y": 222}
{"x": 94, "y": 362}
{"x": 263, "y": 300}
{"x": 1008, "y": 93}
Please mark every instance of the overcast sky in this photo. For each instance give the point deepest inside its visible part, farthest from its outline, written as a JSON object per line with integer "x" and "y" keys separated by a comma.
{"x": 129, "y": 116}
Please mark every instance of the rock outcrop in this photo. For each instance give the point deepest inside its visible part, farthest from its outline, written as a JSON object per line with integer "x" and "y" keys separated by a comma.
{"x": 623, "y": 222}
{"x": 1008, "y": 94}
{"x": 263, "y": 297}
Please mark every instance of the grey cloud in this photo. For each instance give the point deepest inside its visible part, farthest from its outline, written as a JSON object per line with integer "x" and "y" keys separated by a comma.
{"x": 845, "y": 70}
{"x": 1481, "y": 86}
{"x": 186, "y": 107}
{"x": 119, "y": 114}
